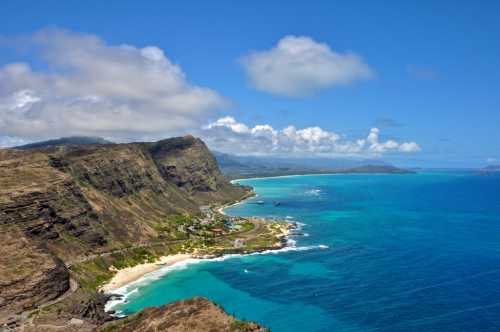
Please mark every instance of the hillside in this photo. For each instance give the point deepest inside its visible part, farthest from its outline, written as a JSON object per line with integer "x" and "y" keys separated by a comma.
{"x": 61, "y": 205}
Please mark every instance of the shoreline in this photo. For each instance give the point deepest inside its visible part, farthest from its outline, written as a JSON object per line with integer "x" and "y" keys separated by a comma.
{"x": 292, "y": 175}
{"x": 221, "y": 209}
{"x": 315, "y": 174}
{"x": 129, "y": 275}
{"x": 121, "y": 294}
{"x": 118, "y": 289}
{"x": 228, "y": 205}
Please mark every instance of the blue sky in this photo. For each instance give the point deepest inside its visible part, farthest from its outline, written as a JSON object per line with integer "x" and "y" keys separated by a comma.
{"x": 434, "y": 74}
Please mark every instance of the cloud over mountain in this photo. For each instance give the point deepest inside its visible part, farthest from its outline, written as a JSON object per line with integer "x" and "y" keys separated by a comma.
{"x": 300, "y": 66}
{"x": 88, "y": 87}
{"x": 228, "y": 135}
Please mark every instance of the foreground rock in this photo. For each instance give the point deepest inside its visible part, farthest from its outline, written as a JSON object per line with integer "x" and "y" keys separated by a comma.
{"x": 194, "y": 315}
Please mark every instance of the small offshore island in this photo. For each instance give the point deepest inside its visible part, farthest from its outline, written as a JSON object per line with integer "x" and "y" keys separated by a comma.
{"x": 80, "y": 220}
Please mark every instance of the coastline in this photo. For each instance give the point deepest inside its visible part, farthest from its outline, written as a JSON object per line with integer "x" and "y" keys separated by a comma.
{"x": 221, "y": 208}
{"x": 291, "y": 176}
{"x": 312, "y": 174}
{"x": 129, "y": 275}
{"x": 241, "y": 201}
{"x": 125, "y": 277}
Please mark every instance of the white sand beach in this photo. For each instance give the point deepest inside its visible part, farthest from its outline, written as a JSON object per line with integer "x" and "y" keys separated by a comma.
{"x": 131, "y": 274}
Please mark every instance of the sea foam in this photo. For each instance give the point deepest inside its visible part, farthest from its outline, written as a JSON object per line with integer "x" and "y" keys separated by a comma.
{"x": 134, "y": 287}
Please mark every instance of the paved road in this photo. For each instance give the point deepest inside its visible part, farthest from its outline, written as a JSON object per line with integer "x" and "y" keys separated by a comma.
{"x": 116, "y": 251}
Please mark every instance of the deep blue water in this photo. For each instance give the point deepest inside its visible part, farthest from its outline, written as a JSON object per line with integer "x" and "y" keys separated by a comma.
{"x": 417, "y": 252}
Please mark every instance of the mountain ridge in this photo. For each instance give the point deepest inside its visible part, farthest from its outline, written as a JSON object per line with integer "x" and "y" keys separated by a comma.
{"x": 238, "y": 167}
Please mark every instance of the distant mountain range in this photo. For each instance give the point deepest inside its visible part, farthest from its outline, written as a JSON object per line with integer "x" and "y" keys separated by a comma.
{"x": 73, "y": 140}
{"x": 235, "y": 167}
{"x": 490, "y": 169}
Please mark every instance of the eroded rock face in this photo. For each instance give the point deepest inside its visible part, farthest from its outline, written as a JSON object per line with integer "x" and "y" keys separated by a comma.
{"x": 187, "y": 162}
{"x": 49, "y": 206}
{"x": 30, "y": 275}
{"x": 195, "y": 315}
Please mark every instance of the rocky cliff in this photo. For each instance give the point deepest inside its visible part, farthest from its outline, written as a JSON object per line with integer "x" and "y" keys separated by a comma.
{"x": 196, "y": 315}
{"x": 63, "y": 203}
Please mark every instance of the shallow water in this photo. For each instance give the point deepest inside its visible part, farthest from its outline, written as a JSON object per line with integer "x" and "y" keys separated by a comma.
{"x": 416, "y": 252}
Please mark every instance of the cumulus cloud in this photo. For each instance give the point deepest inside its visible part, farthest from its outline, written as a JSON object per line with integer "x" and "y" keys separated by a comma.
{"x": 299, "y": 66}
{"x": 88, "y": 87}
{"x": 228, "y": 135}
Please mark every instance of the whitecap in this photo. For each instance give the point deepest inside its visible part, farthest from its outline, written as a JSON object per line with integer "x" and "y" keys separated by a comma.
{"x": 313, "y": 192}
{"x": 122, "y": 297}
{"x": 125, "y": 291}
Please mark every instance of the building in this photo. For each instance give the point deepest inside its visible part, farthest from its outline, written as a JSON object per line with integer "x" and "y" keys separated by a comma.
{"x": 239, "y": 243}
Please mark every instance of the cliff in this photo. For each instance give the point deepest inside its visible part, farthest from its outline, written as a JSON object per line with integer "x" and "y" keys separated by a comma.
{"x": 62, "y": 204}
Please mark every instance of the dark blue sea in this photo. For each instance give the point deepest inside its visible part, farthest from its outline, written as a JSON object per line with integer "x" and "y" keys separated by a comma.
{"x": 410, "y": 252}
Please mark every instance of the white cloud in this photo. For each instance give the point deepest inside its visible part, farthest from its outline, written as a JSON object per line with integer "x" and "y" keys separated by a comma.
{"x": 409, "y": 147}
{"x": 92, "y": 88}
{"x": 299, "y": 66}
{"x": 228, "y": 135}
{"x": 491, "y": 160}
{"x": 229, "y": 122}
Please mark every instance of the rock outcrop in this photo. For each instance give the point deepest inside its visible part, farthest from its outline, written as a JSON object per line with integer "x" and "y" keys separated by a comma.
{"x": 30, "y": 274}
{"x": 195, "y": 315}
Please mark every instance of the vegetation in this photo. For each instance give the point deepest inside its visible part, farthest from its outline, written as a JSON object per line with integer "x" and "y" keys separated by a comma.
{"x": 94, "y": 273}
{"x": 242, "y": 326}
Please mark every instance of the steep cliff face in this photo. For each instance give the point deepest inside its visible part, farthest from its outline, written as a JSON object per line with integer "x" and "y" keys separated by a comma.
{"x": 187, "y": 162}
{"x": 60, "y": 204}
{"x": 30, "y": 275}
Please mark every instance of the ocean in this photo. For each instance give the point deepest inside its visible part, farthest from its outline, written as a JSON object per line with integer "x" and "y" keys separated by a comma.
{"x": 380, "y": 252}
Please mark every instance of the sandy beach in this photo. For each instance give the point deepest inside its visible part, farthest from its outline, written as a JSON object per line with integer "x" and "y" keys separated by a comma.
{"x": 226, "y": 206}
{"x": 131, "y": 274}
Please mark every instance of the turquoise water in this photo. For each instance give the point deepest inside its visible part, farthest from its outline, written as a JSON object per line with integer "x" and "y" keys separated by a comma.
{"x": 417, "y": 252}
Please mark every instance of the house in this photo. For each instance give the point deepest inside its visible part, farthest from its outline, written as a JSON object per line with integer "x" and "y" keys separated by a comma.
{"x": 238, "y": 243}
